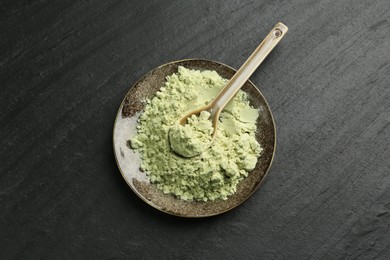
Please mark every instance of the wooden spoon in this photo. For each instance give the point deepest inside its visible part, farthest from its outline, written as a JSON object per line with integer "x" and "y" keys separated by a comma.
{"x": 238, "y": 80}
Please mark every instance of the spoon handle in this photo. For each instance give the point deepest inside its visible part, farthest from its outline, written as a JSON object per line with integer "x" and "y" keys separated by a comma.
{"x": 250, "y": 65}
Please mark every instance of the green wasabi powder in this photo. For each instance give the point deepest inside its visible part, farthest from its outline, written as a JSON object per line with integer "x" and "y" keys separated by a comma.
{"x": 194, "y": 137}
{"x": 215, "y": 173}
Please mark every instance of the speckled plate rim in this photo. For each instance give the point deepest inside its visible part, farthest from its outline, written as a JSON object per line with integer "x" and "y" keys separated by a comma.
{"x": 193, "y": 216}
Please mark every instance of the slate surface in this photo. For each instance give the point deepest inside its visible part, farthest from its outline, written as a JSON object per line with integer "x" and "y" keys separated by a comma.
{"x": 66, "y": 65}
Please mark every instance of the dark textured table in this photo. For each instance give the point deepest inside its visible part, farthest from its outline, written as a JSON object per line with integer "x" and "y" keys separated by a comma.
{"x": 66, "y": 65}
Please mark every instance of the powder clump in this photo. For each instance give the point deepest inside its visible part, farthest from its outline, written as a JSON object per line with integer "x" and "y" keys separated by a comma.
{"x": 194, "y": 137}
{"x": 215, "y": 173}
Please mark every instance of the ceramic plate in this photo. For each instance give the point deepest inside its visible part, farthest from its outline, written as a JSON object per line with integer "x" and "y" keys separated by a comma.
{"x": 129, "y": 161}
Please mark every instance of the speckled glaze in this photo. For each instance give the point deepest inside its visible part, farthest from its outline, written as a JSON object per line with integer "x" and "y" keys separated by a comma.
{"x": 128, "y": 161}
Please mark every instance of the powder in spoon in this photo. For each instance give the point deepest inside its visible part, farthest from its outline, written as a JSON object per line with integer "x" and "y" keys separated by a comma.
{"x": 215, "y": 173}
{"x": 194, "y": 137}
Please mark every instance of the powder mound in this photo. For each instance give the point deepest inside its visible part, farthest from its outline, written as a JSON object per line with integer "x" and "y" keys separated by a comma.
{"x": 194, "y": 137}
{"x": 215, "y": 173}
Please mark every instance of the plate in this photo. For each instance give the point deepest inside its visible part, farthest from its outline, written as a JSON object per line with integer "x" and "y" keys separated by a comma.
{"x": 129, "y": 161}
